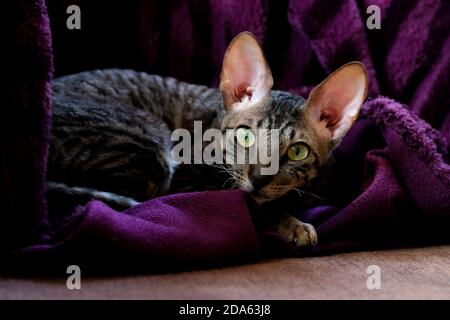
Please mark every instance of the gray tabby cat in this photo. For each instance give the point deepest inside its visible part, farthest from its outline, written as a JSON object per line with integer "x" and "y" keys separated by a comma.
{"x": 111, "y": 130}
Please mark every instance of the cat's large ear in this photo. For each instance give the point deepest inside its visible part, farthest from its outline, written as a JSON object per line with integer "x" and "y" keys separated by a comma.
{"x": 245, "y": 73}
{"x": 334, "y": 104}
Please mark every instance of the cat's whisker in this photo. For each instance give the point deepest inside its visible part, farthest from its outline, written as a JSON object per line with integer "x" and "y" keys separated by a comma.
{"x": 226, "y": 170}
{"x": 233, "y": 181}
{"x": 300, "y": 192}
{"x": 221, "y": 167}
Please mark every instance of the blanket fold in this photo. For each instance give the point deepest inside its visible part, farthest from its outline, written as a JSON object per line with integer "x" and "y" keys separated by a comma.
{"x": 393, "y": 178}
{"x": 191, "y": 229}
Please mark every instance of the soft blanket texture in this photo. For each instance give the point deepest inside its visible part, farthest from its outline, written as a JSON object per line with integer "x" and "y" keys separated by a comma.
{"x": 394, "y": 179}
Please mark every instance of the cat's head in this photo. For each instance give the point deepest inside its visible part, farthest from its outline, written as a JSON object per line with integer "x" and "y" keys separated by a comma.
{"x": 308, "y": 129}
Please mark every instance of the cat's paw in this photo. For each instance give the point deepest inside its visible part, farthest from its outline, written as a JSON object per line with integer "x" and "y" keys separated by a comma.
{"x": 298, "y": 233}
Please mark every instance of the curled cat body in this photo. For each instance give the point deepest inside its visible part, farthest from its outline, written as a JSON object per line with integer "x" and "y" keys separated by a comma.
{"x": 111, "y": 132}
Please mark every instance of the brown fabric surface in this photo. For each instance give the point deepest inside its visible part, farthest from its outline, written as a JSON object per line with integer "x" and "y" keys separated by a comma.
{"x": 419, "y": 273}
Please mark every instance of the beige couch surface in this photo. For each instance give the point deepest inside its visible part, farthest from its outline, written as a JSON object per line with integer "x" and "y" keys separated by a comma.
{"x": 416, "y": 273}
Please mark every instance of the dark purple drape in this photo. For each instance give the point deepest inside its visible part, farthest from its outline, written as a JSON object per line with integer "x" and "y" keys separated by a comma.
{"x": 26, "y": 70}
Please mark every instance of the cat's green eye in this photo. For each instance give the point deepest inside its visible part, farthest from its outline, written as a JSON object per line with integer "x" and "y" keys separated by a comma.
{"x": 245, "y": 137}
{"x": 298, "y": 151}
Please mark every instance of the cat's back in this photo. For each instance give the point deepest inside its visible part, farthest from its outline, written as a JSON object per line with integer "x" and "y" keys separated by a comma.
{"x": 176, "y": 102}
{"x": 124, "y": 85}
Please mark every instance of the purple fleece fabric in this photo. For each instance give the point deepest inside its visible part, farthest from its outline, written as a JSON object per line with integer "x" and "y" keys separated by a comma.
{"x": 183, "y": 230}
{"x": 393, "y": 183}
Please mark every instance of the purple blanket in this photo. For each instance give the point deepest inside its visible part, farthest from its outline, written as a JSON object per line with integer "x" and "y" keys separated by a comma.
{"x": 393, "y": 184}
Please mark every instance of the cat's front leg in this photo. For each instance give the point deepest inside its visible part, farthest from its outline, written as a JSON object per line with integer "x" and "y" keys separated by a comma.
{"x": 296, "y": 232}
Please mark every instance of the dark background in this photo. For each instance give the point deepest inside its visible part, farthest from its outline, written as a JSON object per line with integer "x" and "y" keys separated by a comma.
{"x": 142, "y": 35}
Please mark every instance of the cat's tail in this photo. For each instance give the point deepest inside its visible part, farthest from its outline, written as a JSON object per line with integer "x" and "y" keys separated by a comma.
{"x": 61, "y": 191}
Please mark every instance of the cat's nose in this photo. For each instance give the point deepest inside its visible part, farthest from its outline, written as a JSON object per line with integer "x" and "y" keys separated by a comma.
{"x": 257, "y": 179}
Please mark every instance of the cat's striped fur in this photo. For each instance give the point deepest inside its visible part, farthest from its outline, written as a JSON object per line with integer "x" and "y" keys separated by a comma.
{"x": 111, "y": 129}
